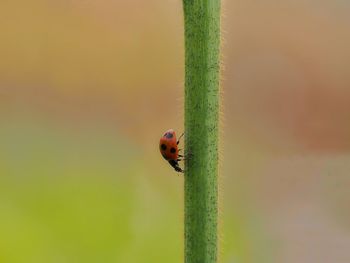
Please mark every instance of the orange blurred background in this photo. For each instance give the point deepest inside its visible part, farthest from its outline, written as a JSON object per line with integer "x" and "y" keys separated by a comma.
{"x": 87, "y": 88}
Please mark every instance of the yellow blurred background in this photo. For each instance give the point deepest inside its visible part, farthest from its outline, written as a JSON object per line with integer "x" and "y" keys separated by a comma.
{"x": 88, "y": 87}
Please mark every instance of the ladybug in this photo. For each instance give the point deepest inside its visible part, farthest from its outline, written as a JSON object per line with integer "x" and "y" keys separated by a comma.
{"x": 169, "y": 150}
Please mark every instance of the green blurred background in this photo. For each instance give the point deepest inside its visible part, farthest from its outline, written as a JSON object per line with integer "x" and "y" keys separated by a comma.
{"x": 88, "y": 87}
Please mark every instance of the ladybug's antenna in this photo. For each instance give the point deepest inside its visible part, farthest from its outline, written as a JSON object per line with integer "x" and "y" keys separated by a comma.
{"x": 178, "y": 140}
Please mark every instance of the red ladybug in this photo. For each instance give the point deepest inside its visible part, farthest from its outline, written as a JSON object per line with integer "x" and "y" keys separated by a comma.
{"x": 169, "y": 150}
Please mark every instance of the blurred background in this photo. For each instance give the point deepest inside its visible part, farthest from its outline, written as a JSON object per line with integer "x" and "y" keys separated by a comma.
{"x": 88, "y": 87}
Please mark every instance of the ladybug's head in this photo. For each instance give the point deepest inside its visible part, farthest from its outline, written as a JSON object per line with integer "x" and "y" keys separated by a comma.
{"x": 169, "y": 134}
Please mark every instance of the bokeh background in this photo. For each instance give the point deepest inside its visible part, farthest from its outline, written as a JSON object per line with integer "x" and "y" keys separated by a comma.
{"x": 88, "y": 87}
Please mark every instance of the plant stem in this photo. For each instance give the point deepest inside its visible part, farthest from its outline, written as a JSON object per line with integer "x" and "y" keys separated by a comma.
{"x": 202, "y": 68}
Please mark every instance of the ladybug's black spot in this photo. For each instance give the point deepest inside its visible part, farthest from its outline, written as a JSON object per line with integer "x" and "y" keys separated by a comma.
{"x": 163, "y": 147}
{"x": 169, "y": 135}
{"x": 172, "y": 150}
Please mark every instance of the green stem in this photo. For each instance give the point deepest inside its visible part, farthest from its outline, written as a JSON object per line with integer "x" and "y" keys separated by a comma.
{"x": 202, "y": 68}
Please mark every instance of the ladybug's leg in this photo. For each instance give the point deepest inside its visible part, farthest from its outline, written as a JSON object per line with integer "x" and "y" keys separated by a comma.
{"x": 184, "y": 157}
{"x": 181, "y": 158}
{"x": 178, "y": 141}
{"x": 188, "y": 155}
